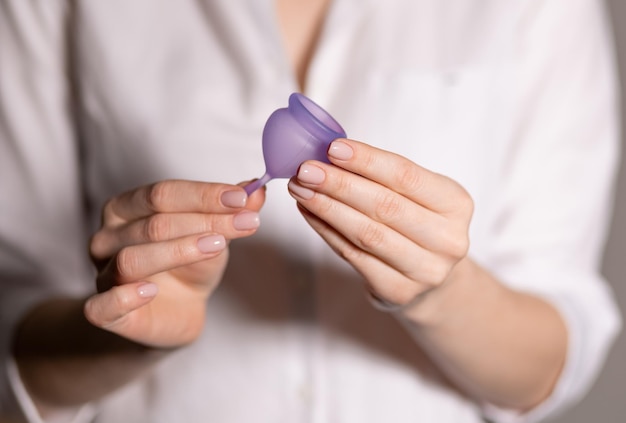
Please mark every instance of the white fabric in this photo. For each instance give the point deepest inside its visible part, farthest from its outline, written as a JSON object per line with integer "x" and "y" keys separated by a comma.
{"x": 516, "y": 100}
{"x": 29, "y": 410}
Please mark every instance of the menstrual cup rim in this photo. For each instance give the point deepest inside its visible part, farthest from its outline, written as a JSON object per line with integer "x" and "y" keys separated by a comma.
{"x": 309, "y": 121}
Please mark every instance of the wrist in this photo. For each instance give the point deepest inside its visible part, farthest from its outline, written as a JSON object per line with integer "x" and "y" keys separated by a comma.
{"x": 434, "y": 306}
{"x": 392, "y": 308}
{"x": 64, "y": 361}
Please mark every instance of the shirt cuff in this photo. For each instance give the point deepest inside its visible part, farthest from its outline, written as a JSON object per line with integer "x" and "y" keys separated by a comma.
{"x": 30, "y": 414}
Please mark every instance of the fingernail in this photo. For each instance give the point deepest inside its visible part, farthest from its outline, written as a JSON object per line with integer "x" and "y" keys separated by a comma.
{"x": 246, "y": 220}
{"x": 234, "y": 199}
{"x": 211, "y": 243}
{"x": 340, "y": 150}
{"x": 311, "y": 174}
{"x": 300, "y": 191}
{"x": 147, "y": 290}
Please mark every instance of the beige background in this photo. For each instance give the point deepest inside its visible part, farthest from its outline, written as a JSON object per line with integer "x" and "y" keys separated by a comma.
{"x": 607, "y": 401}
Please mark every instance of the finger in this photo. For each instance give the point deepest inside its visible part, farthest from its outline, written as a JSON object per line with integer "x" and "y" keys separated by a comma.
{"x": 137, "y": 262}
{"x": 174, "y": 196}
{"x": 419, "y": 224}
{"x": 432, "y": 190}
{"x": 381, "y": 279}
{"x": 167, "y": 226}
{"x": 256, "y": 199}
{"x": 375, "y": 238}
{"x": 109, "y": 310}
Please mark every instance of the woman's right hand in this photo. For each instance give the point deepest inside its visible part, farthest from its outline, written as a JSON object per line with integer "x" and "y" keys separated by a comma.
{"x": 161, "y": 251}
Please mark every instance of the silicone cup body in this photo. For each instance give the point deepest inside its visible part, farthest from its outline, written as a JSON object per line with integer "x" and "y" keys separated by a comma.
{"x": 302, "y": 131}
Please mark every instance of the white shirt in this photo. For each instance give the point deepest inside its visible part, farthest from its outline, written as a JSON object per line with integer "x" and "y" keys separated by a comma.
{"x": 515, "y": 100}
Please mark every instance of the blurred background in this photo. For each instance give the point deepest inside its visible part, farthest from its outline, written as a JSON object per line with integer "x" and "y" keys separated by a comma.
{"x": 607, "y": 401}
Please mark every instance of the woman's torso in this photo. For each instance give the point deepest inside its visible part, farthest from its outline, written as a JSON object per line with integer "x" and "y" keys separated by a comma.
{"x": 182, "y": 90}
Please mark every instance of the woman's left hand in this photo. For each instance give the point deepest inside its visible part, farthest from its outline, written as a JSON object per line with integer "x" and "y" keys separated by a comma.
{"x": 403, "y": 227}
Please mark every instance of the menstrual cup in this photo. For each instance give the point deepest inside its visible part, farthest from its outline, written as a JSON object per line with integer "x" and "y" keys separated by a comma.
{"x": 302, "y": 131}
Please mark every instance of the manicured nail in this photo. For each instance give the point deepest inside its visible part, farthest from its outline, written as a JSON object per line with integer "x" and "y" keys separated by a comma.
{"x": 300, "y": 191}
{"x": 311, "y": 174}
{"x": 340, "y": 150}
{"x": 234, "y": 199}
{"x": 147, "y": 290}
{"x": 246, "y": 220}
{"x": 211, "y": 243}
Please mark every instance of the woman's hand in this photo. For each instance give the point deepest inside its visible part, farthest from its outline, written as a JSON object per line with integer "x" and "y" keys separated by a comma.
{"x": 401, "y": 226}
{"x": 161, "y": 251}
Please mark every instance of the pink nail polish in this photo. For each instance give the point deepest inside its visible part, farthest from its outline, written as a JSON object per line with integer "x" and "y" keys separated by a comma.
{"x": 300, "y": 191}
{"x": 211, "y": 244}
{"x": 147, "y": 290}
{"x": 234, "y": 199}
{"x": 246, "y": 220}
{"x": 340, "y": 150}
{"x": 311, "y": 174}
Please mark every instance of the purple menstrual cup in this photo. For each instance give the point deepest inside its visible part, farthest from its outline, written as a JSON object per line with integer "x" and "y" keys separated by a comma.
{"x": 302, "y": 131}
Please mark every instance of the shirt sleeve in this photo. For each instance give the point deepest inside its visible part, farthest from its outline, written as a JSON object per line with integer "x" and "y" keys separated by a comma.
{"x": 42, "y": 232}
{"x": 552, "y": 218}
{"x": 29, "y": 412}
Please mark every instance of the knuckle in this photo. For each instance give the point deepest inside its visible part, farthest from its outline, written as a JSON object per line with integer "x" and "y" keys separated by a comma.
{"x": 455, "y": 243}
{"x": 460, "y": 246}
{"x": 207, "y": 198}
{"x": 437, "y": 272}
{"x": 464, "y": 202}
{"x": 468, "y": 205}
{"x": 344, "y": 184}
{"x": 157, "y": 194}
{"x": 407, "y": 176}
{"x": 211, "y": 223}
{"x": 119, "y": 301}
{"x": 338, "y": 182}
{"x": 370, "y": 237}
{"x": 107, "y": 312}
{"x": 92, "y": 313}
{"x": 127, "y": 264}
{"x": 456, "y": 248}
{"x": 349, "y": 253}
{"x": 388, "y": 207}
{"x": 97, "y": 245}
{"x": 108, "y": 212}
{"x": 181, "y": 253}
{"x": 324, "y": 206}
{"x": 157, "y": 228}
{"x": 368, "y": 159}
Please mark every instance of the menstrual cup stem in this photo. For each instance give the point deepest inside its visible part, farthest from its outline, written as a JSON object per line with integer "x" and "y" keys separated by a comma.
{"x": 254, "y": 185}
